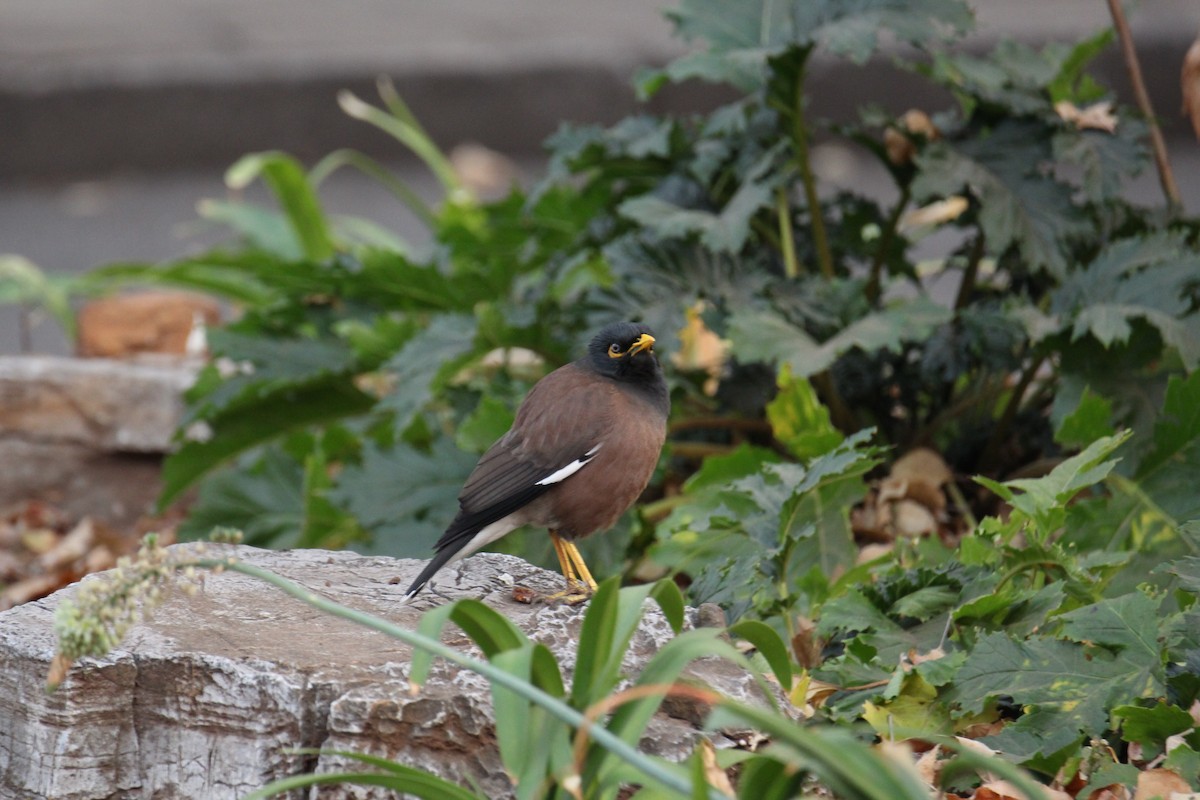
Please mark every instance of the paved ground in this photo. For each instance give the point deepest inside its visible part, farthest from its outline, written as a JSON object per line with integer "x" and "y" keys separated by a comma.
{"x": 117, "y": 115}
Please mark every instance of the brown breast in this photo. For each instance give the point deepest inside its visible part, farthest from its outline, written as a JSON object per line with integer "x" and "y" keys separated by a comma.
{"x": 596, "y": 496}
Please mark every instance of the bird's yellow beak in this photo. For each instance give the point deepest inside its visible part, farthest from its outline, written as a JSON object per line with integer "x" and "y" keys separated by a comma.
{"x": 645, "y": 342}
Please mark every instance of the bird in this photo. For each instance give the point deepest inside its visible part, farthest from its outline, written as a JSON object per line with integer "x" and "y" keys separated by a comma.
{"x": 581, "y": 449}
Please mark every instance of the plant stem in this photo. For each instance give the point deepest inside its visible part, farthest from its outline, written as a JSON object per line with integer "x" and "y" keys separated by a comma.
{"x": 800, "y": 139}
{"x": 875, "y": 281}
{"x": 791, "y": 268}
{"x": 1000, "y": 432}
{"x": 970, "y": 274}
{"x": 839, "y": 413}
{"x": 493, "y": 674}
{"x": 1157, "y": 143}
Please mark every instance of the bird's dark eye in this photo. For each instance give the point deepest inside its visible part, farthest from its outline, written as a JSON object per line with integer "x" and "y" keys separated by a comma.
{"x": 614, "y": 349}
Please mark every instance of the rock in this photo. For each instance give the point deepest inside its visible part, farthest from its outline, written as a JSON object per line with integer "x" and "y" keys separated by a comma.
{"x": 202, "y": 700}
{"x": 145, "y": 322}
{"x": 102, "y": 404}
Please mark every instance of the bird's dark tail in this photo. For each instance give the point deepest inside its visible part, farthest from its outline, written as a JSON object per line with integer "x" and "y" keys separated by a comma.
{"x": 438, "y": 561}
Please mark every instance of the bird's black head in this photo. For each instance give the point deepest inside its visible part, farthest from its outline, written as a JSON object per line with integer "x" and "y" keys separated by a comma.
{"x": 625, "y": 351}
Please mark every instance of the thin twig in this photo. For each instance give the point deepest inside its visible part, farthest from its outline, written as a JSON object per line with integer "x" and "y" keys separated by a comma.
{"x": 1157, "y": 143}
{"x": 803, "y": 159}
{"x": 968, "y": 280}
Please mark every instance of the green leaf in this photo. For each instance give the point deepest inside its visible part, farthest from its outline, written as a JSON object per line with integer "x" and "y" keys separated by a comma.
{"x": 296, "y": 196}
{"x": 1146, "y": 278}
{"x": 426, "y": 363}
{"x": 1114, "y": 659}
{"x": 402, "y": 496}
{"x": 1150, "y": 727}
{"x": 1170, "y": 472}
{"x": 1042, "y": 499}
{"x": 490, "y": 420}
{"x": 767, "y": 337}
{"x": 262, "y": 228}
{"x": 1018, "y": 205}
{"x": 798, "y": 418}
{"x": 767, "y": 642}
{"x": 249, "y": 425}
{"x": 1087, "y": 423}
{"x": 724, "y": 232}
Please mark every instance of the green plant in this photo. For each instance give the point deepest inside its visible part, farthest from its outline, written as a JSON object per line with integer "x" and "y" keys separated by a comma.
{"x": 553, "y": 742}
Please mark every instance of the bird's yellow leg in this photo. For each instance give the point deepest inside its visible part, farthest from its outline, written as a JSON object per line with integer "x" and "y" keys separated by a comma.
{"x": 564, "y": 559}
{"x": 578, "y": 588}
{"x": 580, "y": 568}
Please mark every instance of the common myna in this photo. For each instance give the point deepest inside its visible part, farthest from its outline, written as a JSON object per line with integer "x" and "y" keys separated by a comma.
{"x": 581, "y": 450}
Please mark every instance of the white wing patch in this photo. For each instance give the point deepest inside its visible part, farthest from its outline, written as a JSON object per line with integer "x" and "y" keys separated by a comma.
{"x": 570, "y": 469}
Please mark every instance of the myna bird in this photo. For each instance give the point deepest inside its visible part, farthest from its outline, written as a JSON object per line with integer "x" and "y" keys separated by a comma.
{"x": 582, "y": 448}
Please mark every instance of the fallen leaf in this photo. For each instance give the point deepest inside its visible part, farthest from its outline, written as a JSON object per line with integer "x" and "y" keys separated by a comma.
{"x": 70, "y": 548}
{"x": 936, "y": 213}
{"x": 39, "y": 540}
{"x": 713, "y": 774}
{"x": 912, "y": 519}
{"x": 1098, "y": 116}
{"x": 1003, "y": 790}
{"x": 1189, "y": 82}
{"x": 929, "y": 766}
{"x": 1162, "y": 783}
{"x": 923, "y": 463}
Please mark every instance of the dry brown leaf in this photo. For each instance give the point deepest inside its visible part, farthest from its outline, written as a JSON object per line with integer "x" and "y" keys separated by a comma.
{"x": 39, "y": 540}
{"x": 929, "y": 765}
{"x": 921, "y": 462}
{"x": 806, "y": 647}
{"x": 911, "y": 519}
{"x": 936, "y": 213}
{"x": 70, "y": 548}
{"x": 1189, "y": 82}
{"x": 713, "y": 773}
{"x": 483, "y": 170}
{"x": 1097, "y": 117}
{"x": 871, "y": 552}
{"x": 1162, "y": 783}
{"x": 30, "y": 588}
{"x": 1003, "y": 790}
{"x": 1114, "y": 792}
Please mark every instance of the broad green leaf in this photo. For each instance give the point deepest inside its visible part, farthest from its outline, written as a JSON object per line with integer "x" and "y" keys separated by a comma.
{"x": 767, "y": 337}
{"x": 1142, "y": 278}
{"x": 1077, "y": 683}
{"x": 1150, "y": 727}
{"x": 723, "y": 232}
{"x": 1018, "y": 205}
{"x": 238, "y": 429}
{"x": 740, "y": 31}
{"x": 913, "y": 712}
{"x": 1088, "y": 422}
{"x": 295, "y": 194}
{"x": 426, "y": 362}
{"x": 262, "y": 228}
{"x": 767, "y": 642}
{"x": 490, "y": 420}
{"x": 1042, "y": 500}
{"x": 1170, "y": 472}
{"x": 1187, "y": 570}
{"x": 798, "y": 418}
{"x": 402, "y": 496}
{"x": 264, "y": 498}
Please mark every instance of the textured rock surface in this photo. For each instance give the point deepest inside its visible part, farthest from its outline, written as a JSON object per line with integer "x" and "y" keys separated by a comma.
{"x": 102, "y": 404}
{"x": 201, "y": 700}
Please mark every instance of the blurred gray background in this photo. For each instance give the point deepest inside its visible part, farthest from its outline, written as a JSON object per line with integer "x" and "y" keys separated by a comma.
{"x": 116, "y": 116}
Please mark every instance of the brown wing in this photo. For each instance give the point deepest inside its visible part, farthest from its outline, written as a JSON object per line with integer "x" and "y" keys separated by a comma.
{"x": 563, "y": 418}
